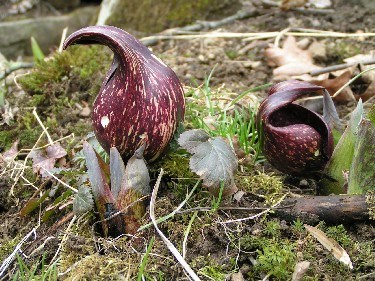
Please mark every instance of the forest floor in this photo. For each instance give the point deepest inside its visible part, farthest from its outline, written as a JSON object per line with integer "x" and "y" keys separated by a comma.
{"x": 62, "y": 246}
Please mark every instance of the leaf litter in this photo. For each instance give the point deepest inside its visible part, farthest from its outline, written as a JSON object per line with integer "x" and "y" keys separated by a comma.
{"x": 293, "y": 62}
{"x": 331, "y": 245}
{"x": 45, "y": 160}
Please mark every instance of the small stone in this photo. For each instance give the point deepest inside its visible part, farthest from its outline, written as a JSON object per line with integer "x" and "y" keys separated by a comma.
{"x": 318, "y": 50}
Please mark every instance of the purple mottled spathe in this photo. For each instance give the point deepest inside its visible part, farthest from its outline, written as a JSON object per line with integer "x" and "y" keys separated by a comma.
{"x": 295, "y": 140}
{"x": 141, "y": 99}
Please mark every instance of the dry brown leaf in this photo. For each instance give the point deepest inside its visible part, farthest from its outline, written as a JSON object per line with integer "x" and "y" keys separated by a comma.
{"x": 237, "y": 277}
{"x": 332, "y": 84}
{"x": 44, "y": 160}
{"x": 331, "y": 245}
{"x": 289, "y": 53}
{"x": 360, "y": 57}
{"x": 11, "y": 152}
{"x": 291, "y": 4}
{"x": 85, "y": 111}
{"x": 365, "y": 84}
{"x": 300, "y": 270}
{"x": 294, "y": 63}
{"x": 290, "y": 59}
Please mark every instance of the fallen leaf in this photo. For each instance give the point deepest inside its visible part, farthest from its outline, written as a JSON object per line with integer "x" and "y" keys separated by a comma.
{"x": 290, "y": 59}
{"x": 238, "y": 195}
{"x": 291, "y": 4}
{"x": 238, "y": 276}
{"x": 331, "y": 245}
{"x": 317, "y": 50}
{"x": 85, "y": 111}
{"x": 292, "y": 62}
{"x": 213, "y": 160}
{"x": 10, "y": 154}
{"x": 333, "y": 83}
{"x": 44, "y": 160}
{"x": 299, "y": 270}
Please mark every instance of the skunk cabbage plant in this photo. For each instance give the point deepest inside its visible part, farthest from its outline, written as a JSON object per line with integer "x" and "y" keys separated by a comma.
{"x": 294, "y": 139}
{"x": 141, "y": 99}
{"x": 120, "y": 203}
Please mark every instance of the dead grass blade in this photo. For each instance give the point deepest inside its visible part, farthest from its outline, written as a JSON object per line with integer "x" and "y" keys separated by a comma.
{"x": 331, "y": 245}
{"x": 168, "y": 243}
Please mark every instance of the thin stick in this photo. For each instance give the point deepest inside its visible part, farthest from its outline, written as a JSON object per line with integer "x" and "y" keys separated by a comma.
{"x": 21, "y": 171}
{"x": 259, "y": 214}
{"x": 14, "y": 67}
{"x": 175, "y": 211}
{"x": 63, "y": 36}
{"x": 41, "y": 125}
{"x": 351, "y": 81}
{"x": 7, "y": 262}
{"x": 60, "y": 181}
{"x": 63, "y": 239}
{"x": 152, "y": 40}
{"x": 46, "y": 145}
{"x": 281, "y": 34}
{"x": 332, "y": 68}
{"x": 259, "y": 35}
{"x": 169, "y": 244}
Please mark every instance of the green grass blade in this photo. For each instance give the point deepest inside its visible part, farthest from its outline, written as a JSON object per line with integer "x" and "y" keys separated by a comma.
{"x": 37, "y": 51}
{"x": 145, "y": 259}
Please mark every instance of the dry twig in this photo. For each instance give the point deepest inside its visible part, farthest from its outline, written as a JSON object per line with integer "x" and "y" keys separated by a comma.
{"x": 169, "y": 244}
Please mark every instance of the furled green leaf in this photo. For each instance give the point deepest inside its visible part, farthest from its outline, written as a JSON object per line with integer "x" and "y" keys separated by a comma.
{"x": 330, "y": 114}
{"x": 213, "y": 160}
{"x": 135, "y": 185}
{"x": 136, "y": 173}
{"x": 82, "y": 201}
{"x": 117, "y": 169}
{"x": 362, "y": 170}
{"x": 100, "y": 189}
{"x": 342, "y": 156}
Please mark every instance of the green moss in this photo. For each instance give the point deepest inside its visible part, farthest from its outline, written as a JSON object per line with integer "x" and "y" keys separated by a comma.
{"x": 7, "y": 137}
{"x": 150, "y": 16}
{"x": 371, "y": 114}
{"x": 261, "y": 184}
{"x": 55, "y": 86}
{"x": 273, "y": 228}
{"x": 80, "y": 62}
{"x": 231, "y": 54}
{"x": 370, "y": 200}
{"x": 212, "y": 270}
{"x": 341, "y": 50}
{"x": 277, "y": 260}
{"x": 7, "y": 246}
